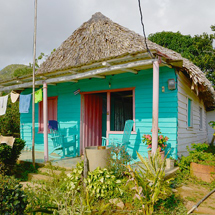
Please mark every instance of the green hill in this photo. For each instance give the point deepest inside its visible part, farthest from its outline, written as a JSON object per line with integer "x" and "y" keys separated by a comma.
{"x": 14, "y": 70}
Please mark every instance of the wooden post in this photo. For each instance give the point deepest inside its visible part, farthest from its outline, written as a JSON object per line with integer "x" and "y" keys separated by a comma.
{"x": 45, "y": 122}
{"x": 85, "y": 165}
{"x": 33, "y": 85}
{"x": 108, "y": 117}
{"x": 155, "y": 106}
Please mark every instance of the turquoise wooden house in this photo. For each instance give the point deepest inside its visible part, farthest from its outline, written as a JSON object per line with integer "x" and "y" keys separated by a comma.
{"x": 103, "y": 75}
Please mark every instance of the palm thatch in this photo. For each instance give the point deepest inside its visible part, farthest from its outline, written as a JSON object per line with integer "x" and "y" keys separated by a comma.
{"x": 101, "y": 39}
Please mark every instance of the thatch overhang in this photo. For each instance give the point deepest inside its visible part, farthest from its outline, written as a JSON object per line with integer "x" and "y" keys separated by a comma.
{"x": 101, "y": 47}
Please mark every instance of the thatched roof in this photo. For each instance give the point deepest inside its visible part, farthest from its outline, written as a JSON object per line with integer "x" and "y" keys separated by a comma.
{"x": 102, "y": 39}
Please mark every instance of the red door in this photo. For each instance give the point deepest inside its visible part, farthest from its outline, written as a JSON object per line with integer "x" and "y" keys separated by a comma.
{"x": 92, "y": 125}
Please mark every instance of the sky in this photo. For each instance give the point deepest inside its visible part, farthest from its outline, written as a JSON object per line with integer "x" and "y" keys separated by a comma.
{"x": 58, "y": 19}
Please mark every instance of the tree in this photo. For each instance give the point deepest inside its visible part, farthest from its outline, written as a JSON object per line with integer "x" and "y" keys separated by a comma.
{"x": 198, "y": 49}
{"x": 10, "y": 122}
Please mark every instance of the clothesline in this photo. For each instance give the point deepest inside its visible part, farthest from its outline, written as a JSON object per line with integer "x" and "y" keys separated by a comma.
{"x": 19, "y": 93}
{"x": 24, "y": 101}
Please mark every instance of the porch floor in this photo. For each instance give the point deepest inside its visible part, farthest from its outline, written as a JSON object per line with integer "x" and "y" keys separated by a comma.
{"x": 70, "y": 162}
{"x": 67, "y": 162}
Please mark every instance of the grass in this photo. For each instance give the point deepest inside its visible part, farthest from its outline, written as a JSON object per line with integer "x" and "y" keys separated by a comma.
{"x": 173, "y": 205}
{"x": 192, "y": 199}
{"x": 21, "y": 170}
{"x": 213, "y": 208}
{"x": 50, "y": 166}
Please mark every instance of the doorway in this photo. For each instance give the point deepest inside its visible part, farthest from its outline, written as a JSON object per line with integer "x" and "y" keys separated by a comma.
{"x": 104, "y": 113}
{"x": 94, "y": 120}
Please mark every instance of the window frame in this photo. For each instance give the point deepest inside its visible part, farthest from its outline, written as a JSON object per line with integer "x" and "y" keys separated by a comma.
{"x": 200, "y": 118}
{"x": 109, "y": 107}
{"x": 132, "y": 103}
{"x": 189, "y": 113}
{"x": 40, "y": 112}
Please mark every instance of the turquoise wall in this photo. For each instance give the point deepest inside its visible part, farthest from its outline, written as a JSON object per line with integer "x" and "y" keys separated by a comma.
{"x": 69, "y": 108}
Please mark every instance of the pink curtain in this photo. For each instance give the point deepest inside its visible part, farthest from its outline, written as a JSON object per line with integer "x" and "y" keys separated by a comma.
{"x": 92, "y": 120}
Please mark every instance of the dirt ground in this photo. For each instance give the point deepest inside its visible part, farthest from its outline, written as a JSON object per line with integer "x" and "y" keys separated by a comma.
{"x": 192, "y": 194}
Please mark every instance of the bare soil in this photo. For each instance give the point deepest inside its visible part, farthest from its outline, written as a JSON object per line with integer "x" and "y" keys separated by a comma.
{"x": 192, "y": 194}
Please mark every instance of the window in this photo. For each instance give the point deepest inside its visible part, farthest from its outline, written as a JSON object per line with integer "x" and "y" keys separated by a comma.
{"x": 52, "y": 111}
{"x": 200, "y": 118}
{"x": 121, "y": 109}
{"x": 189, "y": 113}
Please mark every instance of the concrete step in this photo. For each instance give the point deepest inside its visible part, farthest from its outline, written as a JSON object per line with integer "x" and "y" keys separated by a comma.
{"x": 35, "y": 176}
{"x": 51, "y": 172}
{"x": 26, "y": 184}
{"x": 169, "y": 173}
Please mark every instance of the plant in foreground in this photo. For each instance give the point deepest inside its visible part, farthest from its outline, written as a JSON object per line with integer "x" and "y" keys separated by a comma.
{"x": 199, "y": 153}
{"x": 65, "y": 195}
{"x": 149, "y": 181}
{"x": 119, "y": 157}
{"x": 12, "y": 198}
{"x": 147, "y": 139}
{"x": 9, "y": 155}
{"x": 102, "y": 183}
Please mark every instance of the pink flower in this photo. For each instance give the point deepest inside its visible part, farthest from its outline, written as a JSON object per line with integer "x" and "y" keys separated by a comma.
{"x": 150, "y": 138}
{"x": 166, "y": 138}
{"x": 160, "y": 137}
{"x": 149, "y": 146}
{"x": 163, "y": 145}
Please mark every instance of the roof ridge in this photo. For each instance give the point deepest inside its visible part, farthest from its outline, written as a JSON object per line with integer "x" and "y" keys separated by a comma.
{"x": 98, "y": 16}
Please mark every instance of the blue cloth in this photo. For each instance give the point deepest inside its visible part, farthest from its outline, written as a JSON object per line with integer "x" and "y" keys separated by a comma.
{"x": 24, "y": 103}
{"x": 53, "y": 125}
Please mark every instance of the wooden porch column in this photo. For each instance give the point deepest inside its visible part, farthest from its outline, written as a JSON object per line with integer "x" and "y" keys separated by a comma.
{"x": 155, "y": 106}
{"x": 45, "y": 122}
{"x": 108, "y": 117}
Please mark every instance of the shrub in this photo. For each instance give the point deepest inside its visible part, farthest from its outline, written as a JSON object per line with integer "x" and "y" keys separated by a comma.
{"x": 22, "y": 170}
{"x": 12, "y": 198}
{"x": 149, "y": 182}
{"x": 9, "y": 155}
{"x": 62, "y": 195}
{"x": 75, "y": 177}
{"x": 199, "y": 153}
{"x": 119, "y": 158}
{"x": 102, "y": 183}
{"x": 147, "y": 139}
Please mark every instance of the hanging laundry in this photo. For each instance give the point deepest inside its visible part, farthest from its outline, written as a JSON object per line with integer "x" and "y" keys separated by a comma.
{"x": 24, "y": 103}
{"x": 14, "y": 97}
{"x": 53, "y": 124}
{"x": 3, "y": 104}
{"x": 38, "y": 96}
